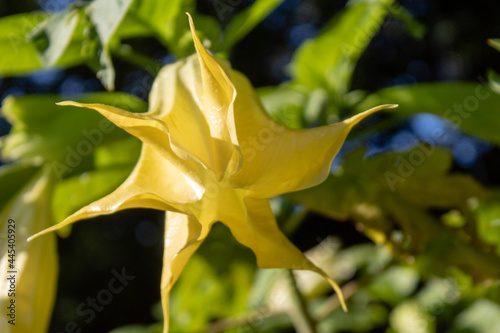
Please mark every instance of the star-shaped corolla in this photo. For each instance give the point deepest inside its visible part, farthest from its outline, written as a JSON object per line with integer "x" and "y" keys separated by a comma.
{"x": 211, "y": 153}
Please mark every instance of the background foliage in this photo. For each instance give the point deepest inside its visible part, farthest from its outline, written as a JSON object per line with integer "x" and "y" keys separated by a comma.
{"x": 408, "y": 220}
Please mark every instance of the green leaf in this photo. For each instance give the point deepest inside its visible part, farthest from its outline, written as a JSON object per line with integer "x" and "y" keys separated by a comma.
{"x": 18, "y": 55}
{"x": 425, "y": 183}
{"x": 168, "y": 21}
{"x": 494, "y": 81}
{"x": 494, "y": 43}
{"x": 54, "y": 35}
{"x": 75, "y": 192}
{"x": 221, "y": 286}
{"x": 66, "y": 137}
{"x": 13, "y": 178}
{"x": 113, "y": 164}
{"x": 472, "y": 106}
{"x": 284, "y": 104}
{"x": 328, "y": 60}
{"x": 415, "y": 28}
{"x": 245, "y": 21}
{"x": 481, "y": 317}
{"x": 388, "y": 197}
{"x": 106, "y": 16}
{"x": 86, "y": 33}
{"x": 411, "y": 312}
{"x": 488, "y": 220}
{"x": 395, "y": 284}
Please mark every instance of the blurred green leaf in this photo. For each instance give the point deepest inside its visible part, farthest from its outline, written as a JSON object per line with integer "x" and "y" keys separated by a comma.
{"x": 13, "y": 178}
{"x": 168, "y": 21}
{"x": 472, "y": 106}
{"x": 454, "y": 218}
{"x": 221, "y": 286}
{"x": 85, "y": 34}
{"x": 18, "y": 54}
{"x": 494, "y": 43}
{"x": 66, "y": 137}
{"x": 359, "y": 319}
{"x": 113, "y": 163}
{"x": 328, "y": 60}
{"x": 481, "y": 317}
{"x": 394, "y": 174}
{"x": 388, "y": 196}
{"x": 488, "y": 220}
{"x": 414, "y": 28}
{"x": 245, "y": 21}
{"x": 54, "y": 35}
{"x": 494, "y": 81}
{"x": 409, "y": 317}
{"x": 394, "y": 285}
{"x": 439, "y": 294}
{"x": 106, "y": 16}
{"x": 263, "y": 283}
{"x": 284, "y": 104}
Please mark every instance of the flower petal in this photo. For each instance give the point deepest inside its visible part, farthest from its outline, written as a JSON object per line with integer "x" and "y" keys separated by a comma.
{"x": 36, "y": 263}
{"x": 256, "y": 228}
{"x": 183, "y": 236}
{"x": 197, "y": 92}
{"x": 146, "y": 187}
{"x": 148, "y": 129}
{"x": 276, "y": 159}
{"x": 177, "y": 100}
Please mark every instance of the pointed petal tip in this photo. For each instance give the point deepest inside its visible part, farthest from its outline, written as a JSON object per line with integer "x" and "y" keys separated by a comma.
{"x": 38, "y": 234}
{"x": 198, "y": 45}
{"x": 191, "y": 23}
{"x": 68, "y": 103}
{"x": 384, "y": 107}
{"x": 337, "y": 290}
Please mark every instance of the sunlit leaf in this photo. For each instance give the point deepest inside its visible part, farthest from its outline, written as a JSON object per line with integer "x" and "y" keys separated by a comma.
{"x": 106, "y": 16}
{"x": 389, "y": 195}
{"x": 472, "y": 106}
{"x": 168, "y": 21}
{"x": 54, "y": 35}
{"x": 328, "y": 60}
{"x": 18, "y": 54}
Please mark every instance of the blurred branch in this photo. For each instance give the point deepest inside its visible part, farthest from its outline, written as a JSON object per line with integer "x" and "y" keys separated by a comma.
{"x": 299, "y": 313}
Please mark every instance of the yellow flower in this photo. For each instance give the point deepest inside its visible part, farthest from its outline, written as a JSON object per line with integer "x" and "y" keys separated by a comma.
{"x": 28, "y": 271}
{"x": 211, "y": 153}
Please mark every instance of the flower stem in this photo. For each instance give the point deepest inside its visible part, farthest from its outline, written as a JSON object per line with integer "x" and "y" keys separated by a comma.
{"x": 300, "y": 316}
